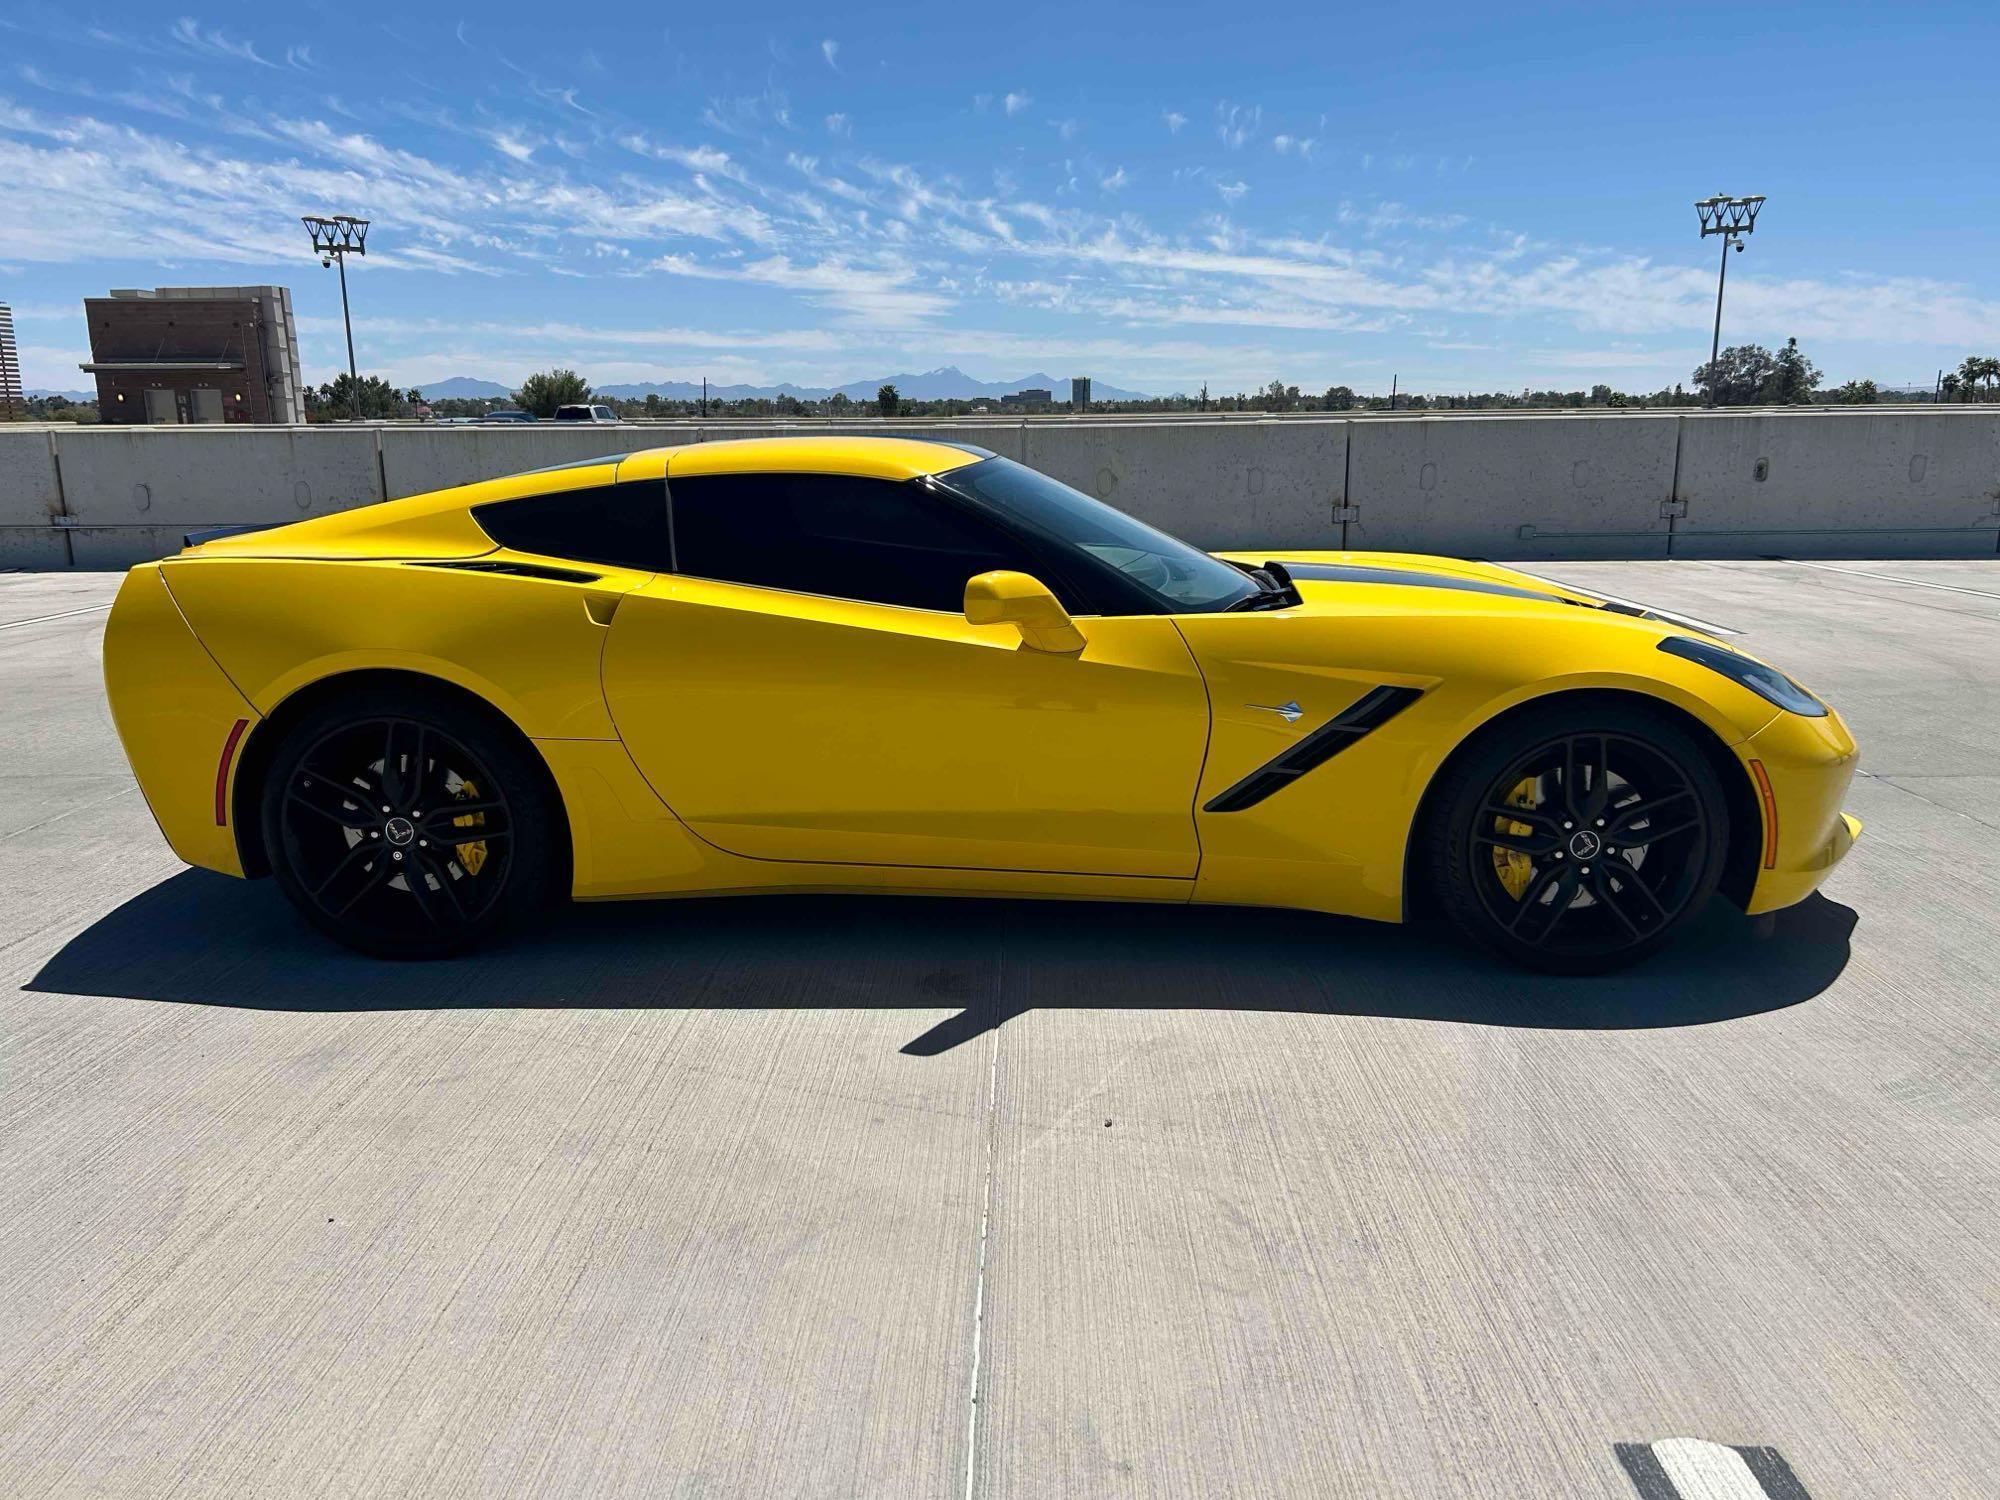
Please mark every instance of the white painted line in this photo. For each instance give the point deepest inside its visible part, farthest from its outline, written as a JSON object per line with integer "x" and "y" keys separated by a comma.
{"x": 89, "y": 609}
{"x": 1912, "y": 583}
{"x": 1707, "y": 1471}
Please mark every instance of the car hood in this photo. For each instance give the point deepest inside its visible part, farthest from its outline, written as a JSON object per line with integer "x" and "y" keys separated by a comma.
{"x": 1335, "y": 578}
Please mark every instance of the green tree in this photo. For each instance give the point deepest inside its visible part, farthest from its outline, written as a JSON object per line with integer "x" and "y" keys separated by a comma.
{"x": 1340, "y": 398}
{"x": 334, "y": 401}
{"x": 544, "y": 391}
{"x": 1792, "y": 380}
{"x": 1855, "y": 393}
{"x": 1975, "y": 372}
{"x": 888, "y": 400}
{"x": 1737, "y": 376}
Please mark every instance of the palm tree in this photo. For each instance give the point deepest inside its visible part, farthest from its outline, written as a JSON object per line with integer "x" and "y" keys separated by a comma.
{"x": 1989, "y": 369}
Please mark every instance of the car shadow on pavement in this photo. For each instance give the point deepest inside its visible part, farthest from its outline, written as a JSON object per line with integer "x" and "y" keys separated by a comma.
{"x": 203, "y": 939}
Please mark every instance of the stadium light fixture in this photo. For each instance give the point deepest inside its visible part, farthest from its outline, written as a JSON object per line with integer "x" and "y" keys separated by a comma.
{"x": 1732, "y": 218}
{"x": 333, "y": 240}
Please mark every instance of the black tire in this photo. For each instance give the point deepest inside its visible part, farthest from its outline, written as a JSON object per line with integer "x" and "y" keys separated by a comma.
{"x": 345, "y": 823}
{"x": 1577, "y": 838}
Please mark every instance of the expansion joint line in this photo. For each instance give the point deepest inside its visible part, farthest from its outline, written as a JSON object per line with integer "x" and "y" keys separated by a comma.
{"x": 985, "y": 1224}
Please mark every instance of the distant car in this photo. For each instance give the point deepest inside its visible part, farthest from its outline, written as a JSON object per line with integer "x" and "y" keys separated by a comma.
{"x": 509, "y": 415}
{"x": 851, "y": 663}
{"x": 600, "y": 414}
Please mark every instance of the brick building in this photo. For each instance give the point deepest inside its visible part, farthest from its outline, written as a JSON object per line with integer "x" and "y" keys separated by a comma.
{"x": 195, "y": 354}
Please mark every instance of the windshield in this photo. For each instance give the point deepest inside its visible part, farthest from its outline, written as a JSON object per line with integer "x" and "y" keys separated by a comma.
{"x": 1182, "y": 579}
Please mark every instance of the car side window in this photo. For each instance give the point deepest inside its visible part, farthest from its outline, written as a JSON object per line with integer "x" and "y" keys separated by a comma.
{"x": 875, "y": 540}
{"x": 622, "y": 525}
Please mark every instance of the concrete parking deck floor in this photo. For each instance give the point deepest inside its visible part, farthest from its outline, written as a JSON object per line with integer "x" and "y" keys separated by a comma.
{"x": 878, "y": 1198}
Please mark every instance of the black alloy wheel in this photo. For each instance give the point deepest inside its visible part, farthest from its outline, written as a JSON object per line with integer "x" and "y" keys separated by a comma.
{"x": 1580, "y": 842}
{"x": 405, "y": 830}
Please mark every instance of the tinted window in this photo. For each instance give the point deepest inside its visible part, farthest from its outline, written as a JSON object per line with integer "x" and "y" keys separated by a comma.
{"x": 624, "y": 525}
{"x": 887, "y": 543}
{"x": 1173, "y": 575}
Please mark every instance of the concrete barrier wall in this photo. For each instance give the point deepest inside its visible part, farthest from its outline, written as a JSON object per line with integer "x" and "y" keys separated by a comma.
{"x": 1840, "y": 484}
{"x": 133, "y": 493}
{"x": 1734, "y": 484}
{"x": 1276, "y": 484}
{"x": 1514, "y": 487}
{"x": 30, "y": 502}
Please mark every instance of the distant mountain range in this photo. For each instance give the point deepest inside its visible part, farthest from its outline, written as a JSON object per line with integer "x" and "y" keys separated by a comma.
{"x": 35, "y": 392}
{"x": 463, "y": 388}
{"x": 947, "y": 384}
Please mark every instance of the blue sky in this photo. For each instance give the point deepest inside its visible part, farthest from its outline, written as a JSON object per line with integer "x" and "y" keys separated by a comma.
{"x": 1467, "y": 197}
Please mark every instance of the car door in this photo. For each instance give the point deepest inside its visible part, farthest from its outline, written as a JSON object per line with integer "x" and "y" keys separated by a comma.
{"x": 807, "y": 687}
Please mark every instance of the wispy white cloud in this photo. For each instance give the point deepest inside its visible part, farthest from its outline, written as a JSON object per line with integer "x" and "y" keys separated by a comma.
{"x": 830, "y": 50}
{"x": 1015, "y": 102}
{"x": 1173, "y": 119}
{"x": 1231, "y": 191}
{"x": 215, "y": 42}
{"x": 883, "y": 293}
{"x": 1237, "y": 124}
{"x": 510, "y": 145}
{"x": 839, "y": 124}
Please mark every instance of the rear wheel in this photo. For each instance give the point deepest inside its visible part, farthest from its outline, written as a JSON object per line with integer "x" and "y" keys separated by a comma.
{"x": 1578, "y": 839}
{"x": 406, "y": 828}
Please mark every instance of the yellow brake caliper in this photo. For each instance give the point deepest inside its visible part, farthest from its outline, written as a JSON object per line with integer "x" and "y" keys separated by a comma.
{"x": 1514, "y": 868}
{"x": 470, "y": 856}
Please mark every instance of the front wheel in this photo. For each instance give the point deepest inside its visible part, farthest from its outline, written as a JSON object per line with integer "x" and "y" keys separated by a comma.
{"x": 1578, "y": 839}
{"x": 406, "y": 828}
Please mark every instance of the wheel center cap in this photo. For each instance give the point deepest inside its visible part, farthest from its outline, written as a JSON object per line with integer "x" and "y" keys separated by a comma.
{"x": 1585, "y": 845}
{"x": 400, "y": 831}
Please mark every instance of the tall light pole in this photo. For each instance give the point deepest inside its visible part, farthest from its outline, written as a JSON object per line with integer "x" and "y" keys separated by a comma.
{"x": 335, "y": 239}
{"x": 1732, "y": 218}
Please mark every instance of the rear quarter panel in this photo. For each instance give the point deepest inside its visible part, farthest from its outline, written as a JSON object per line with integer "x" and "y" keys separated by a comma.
{"x": 528, "y": 646}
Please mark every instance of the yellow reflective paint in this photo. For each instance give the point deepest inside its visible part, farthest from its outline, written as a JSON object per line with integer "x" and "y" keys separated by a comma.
{"x": 707, "y": 736}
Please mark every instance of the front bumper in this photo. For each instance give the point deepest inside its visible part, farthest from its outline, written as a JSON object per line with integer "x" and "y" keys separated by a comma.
{"x": 1806, "y": 765}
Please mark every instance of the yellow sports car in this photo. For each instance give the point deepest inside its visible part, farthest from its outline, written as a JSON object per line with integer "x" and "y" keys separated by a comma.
{"x": 882, "y": 664}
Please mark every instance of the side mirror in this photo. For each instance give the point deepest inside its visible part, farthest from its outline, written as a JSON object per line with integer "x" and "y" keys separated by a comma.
{"x": 1026, "y": 604}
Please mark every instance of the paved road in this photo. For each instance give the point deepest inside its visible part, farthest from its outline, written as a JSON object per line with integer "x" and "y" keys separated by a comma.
{"x": 876, "y": 1198}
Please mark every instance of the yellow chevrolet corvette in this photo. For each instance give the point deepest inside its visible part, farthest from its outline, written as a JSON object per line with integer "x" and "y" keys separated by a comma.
{"x": 882, "y": 664}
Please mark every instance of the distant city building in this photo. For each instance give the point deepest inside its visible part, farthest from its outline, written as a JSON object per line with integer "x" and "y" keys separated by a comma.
{"x": 1033, "y": 396}
{"x": 10, "y": 363}
{"x": 1079, "y": 393}
{"x": 195, "y": 354}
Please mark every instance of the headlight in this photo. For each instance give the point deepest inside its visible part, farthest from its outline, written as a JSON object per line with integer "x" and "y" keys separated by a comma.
{"x": 1766, "y": 682}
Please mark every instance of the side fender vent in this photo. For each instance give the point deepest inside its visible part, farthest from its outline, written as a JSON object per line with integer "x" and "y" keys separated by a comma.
{"x": 1371, "y": 711}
